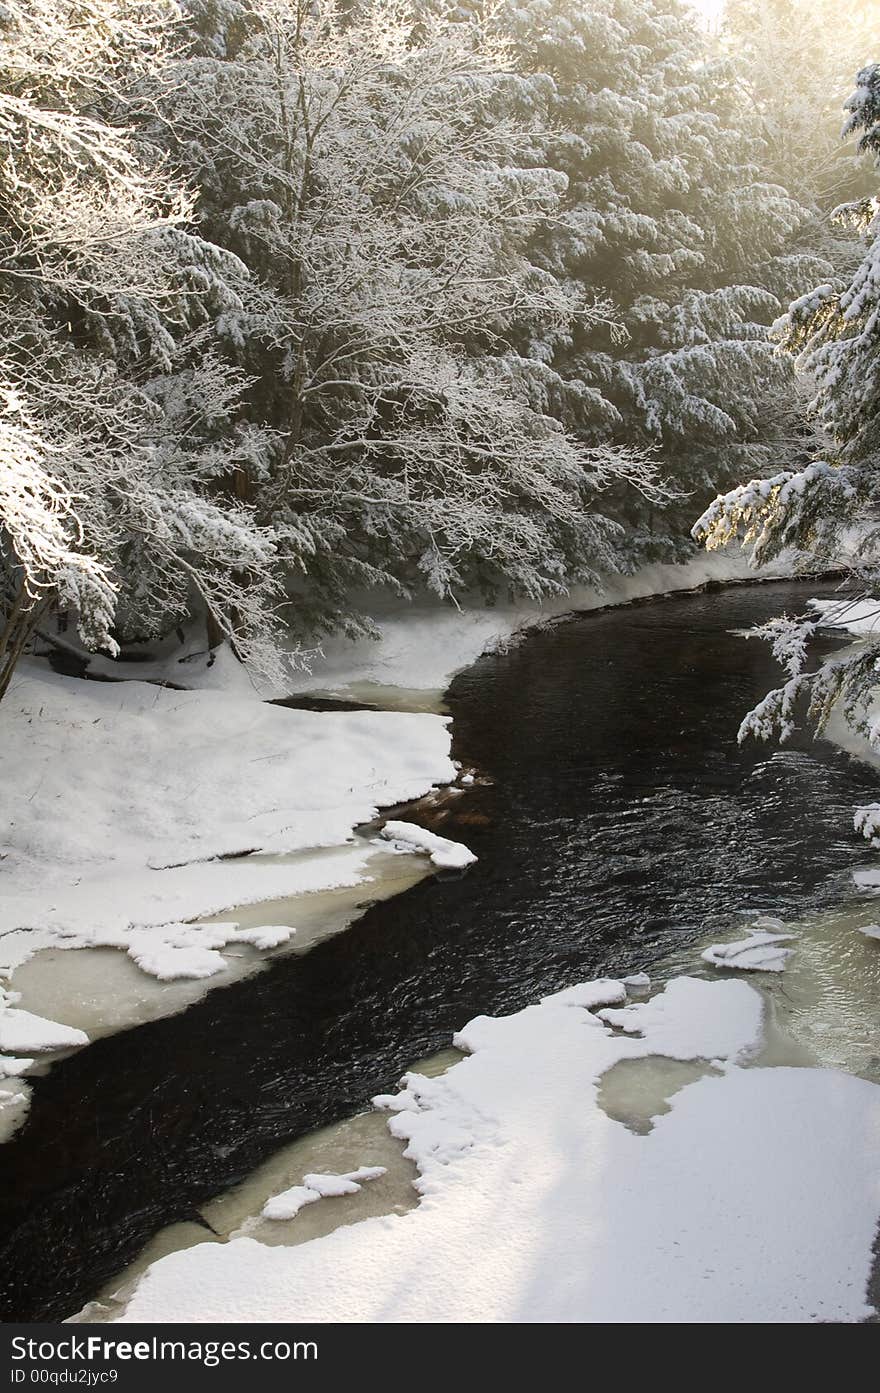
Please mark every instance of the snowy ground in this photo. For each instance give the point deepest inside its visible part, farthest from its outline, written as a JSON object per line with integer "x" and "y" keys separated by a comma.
{"x": 123, "y": 801}
{"x": 135, "y": 815}
{"x": 421, "y": 647}
{"x": 537, "y": 1205}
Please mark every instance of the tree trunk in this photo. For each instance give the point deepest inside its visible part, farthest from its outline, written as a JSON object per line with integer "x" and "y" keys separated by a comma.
{"x": 215, "y": 634}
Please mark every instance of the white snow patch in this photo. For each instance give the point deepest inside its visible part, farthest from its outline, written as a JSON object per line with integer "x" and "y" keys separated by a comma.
{"x": 605, "y": 991}
{"x": 265, "y": 936}
{"x": 12, "y": 1068}
{"x": 120, "y": 798}
{"x": 538, "y": 1207}
{"x": 315, "y": 1187}
{"x": 760, "y": 952}
{"x": 21, "y": 1030}
{"x": 177, "y": 951}
{"x": 442, "y": 851}
{"x": 288, "y": 1204}
{"x": 685, "y": 1022}
{"x": 856, "y": 616}
{"x": 867, "y": 878}
{"x": 348, "y": 1184}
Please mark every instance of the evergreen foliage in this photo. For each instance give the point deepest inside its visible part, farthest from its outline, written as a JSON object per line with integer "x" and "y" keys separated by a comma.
{"x": 827, "y": 510}
{"x": 300, "y": 297}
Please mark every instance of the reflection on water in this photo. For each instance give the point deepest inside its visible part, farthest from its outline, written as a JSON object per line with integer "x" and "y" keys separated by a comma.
{"x": 829, "y": 998}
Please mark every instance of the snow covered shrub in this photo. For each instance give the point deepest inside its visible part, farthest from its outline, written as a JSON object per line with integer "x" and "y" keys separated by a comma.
{"x": 39, "y": 545}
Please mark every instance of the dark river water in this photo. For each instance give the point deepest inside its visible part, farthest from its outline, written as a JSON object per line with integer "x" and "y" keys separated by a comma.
{"x": 622, "y": 820}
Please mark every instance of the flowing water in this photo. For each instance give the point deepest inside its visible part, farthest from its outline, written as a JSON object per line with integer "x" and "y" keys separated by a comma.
{"x": 616, "y": 822}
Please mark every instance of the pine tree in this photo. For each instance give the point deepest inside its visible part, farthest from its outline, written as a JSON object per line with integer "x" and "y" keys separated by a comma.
{"x": 670, "y": 212}
{"x": 820, "y": 512}
{"x": 793, "y": 59}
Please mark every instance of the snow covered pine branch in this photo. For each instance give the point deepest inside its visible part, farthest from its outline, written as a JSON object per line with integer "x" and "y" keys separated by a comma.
{"x": 825, "y": 513}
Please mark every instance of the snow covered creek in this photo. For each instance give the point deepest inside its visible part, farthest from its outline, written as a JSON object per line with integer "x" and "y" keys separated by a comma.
{"x": 618, "y": 829}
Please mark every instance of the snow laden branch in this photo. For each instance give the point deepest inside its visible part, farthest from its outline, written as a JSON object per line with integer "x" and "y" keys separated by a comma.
{"x": 848, "y": 681}
{"x": 800, "y": 512}
{"x": 40, "y": 541}
{"x": 824, "y": 514}
{"x": 118, "y": 501}
{"x": 386, "y": 206}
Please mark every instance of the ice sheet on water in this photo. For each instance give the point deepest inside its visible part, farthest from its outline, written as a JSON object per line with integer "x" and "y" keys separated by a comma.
{"x": 760, "y": 952}
{"x": 315, "y": 1187}
{"x": 443, "y": 852}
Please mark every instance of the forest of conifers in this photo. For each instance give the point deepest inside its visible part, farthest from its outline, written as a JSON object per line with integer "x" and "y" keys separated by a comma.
{"x": 300, "y": 298}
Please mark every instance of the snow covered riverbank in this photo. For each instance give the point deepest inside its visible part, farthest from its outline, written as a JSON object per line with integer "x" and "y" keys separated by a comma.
{"x": 419, "y": 647}
{"x": 127, "y": 804}
{"x": 134, "y": 809}
{"x": 136, "y": 815}
{"x": 144, "y": 821}
{"x": 693, "y": 1061}
{"x": 538, "y": 1205}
